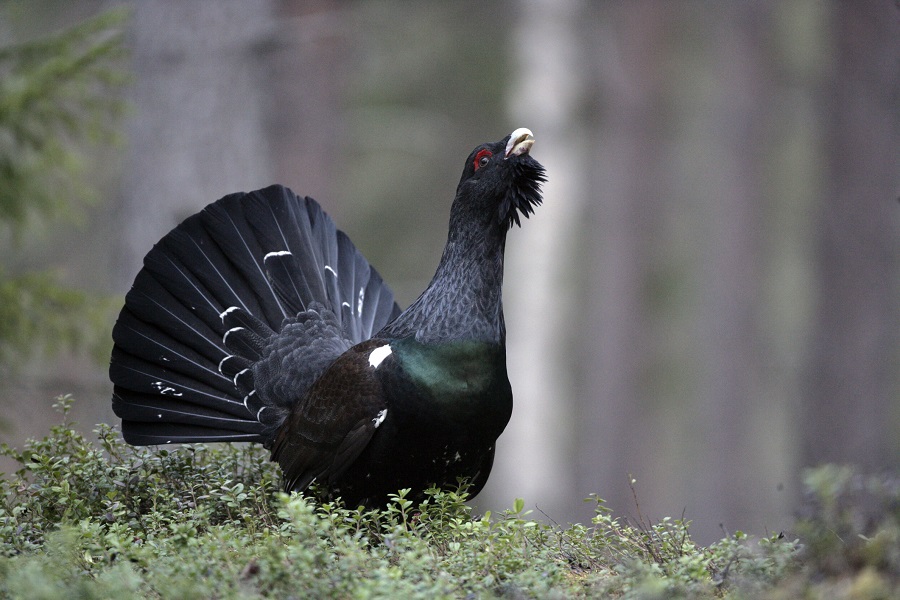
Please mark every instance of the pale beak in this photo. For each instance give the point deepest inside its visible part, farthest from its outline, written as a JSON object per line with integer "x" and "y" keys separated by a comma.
{"x": 520, "y": 142}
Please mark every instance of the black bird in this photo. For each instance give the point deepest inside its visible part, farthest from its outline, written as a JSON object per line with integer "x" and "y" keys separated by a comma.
{"x": 257, "y": 320}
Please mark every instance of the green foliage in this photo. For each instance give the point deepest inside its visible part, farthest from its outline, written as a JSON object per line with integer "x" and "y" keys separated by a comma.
{"x": 850, "y": 524}
{"x": 103, "y": 519}
{"x": 58, "y": 96}
{"x": 59, "y": 100}
{"x": 38, "y": 313}
{"x": 92, "y": 520}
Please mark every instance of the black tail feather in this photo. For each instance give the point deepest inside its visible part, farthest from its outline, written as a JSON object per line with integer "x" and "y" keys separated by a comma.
{"x": 162, "y": 354}
{"x": 301, "y": 239}
{"x": 227, "y": 226}
{"x": 380, "y": 307}
{"x": 210, "y": 296}
{"x": 152, "y": 408}
{"x": 155, "y": 308}
{"x": 148, "y": 433}
{"x": 245, "y": 343}
{"x": 142, "y": 377}
{"x": 190, "y": 265}
{"x": 234, "y": 316}
{"x": 283, "y": 270}
{"x": 231, "y": 365}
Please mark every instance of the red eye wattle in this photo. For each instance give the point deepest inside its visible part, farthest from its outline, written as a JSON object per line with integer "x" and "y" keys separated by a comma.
{"x": 482, "y": 158}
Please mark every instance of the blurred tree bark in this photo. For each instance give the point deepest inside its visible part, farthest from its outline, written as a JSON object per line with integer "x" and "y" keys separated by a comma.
{"x": 305, "y": 97}
{"x": 852, "y": 404}
{"x": 228, "y": 96}
{"x": 628, "y": 150}
{"x": 197, "y": 132}
{"x": 725, "y": 475}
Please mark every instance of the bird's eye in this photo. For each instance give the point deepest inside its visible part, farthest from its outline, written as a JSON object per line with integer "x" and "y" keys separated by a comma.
{"x": 482, "y": 158}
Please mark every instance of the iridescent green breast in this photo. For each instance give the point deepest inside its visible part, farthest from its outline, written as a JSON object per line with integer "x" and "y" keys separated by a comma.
{"x": 463, "y": 377}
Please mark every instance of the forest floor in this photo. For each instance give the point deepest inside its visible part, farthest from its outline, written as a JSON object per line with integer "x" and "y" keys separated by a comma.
{"x": 99, "y": 519}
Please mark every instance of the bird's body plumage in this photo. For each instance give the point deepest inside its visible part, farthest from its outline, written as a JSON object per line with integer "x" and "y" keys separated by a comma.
{"x": 257, "y": 320}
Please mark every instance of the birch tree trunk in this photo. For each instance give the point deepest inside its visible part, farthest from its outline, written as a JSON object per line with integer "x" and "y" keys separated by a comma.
{"x": 534, "y": 453}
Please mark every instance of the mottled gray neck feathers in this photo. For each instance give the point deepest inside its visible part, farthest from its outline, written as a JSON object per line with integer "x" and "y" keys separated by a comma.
{"x": 464, "y": 299}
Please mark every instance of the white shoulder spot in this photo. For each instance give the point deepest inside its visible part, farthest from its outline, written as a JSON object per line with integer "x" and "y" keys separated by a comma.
{"x": 379, "y": 354}
{"x": 379, "y": 418}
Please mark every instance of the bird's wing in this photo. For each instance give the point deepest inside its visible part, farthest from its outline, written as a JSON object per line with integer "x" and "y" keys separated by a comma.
{"x": 332, "y": 424}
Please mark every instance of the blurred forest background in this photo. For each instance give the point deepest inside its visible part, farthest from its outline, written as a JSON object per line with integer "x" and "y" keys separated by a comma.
{"x": 707, "y": 301}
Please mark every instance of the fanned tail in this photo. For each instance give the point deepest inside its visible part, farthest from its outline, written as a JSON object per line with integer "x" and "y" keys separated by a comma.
{"x": 251, "y": 275}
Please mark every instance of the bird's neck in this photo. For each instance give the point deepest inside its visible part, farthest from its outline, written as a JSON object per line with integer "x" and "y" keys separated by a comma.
{"x": 464, "y": 299}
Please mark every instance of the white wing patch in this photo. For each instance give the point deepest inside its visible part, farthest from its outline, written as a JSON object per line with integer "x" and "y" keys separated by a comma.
{"x": 379, "y": 354}
{"x": 379, "y": 418}
{"x": 359, "y": 301}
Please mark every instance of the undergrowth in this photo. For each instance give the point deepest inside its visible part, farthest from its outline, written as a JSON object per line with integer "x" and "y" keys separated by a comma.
{"x": 83, "y": 519}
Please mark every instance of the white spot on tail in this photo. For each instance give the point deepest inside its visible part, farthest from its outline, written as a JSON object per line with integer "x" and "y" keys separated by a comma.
{"x": 279, "y": 253}
{"x": 347, "y": 304}
{"x": 232, "y": 330}
{"x": 164, "y": 389}
{"x": 359, "y": 301}
{"x": 239, "y": 373}
{"x": 247, "y": 397}
{"x": 225, "y": 312}
{"x": 379, "y": 354}
{"x": 328, "y": 268}
{"x": 222, "y": 362}
{"x": 379, "y": 418}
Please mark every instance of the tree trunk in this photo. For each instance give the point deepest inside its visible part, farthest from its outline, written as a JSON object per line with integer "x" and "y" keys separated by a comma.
{"x": 539, "y": 298}
{"x": 852, "y": 404}
{"x": 628, "y": 190}
{"x": 197, "y": 129}
{"x": 725, "y": 473}
{"x": 304, "y": 97}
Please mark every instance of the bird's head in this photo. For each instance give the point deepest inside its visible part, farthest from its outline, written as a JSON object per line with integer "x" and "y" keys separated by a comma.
{"x": 500, "y": 180}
